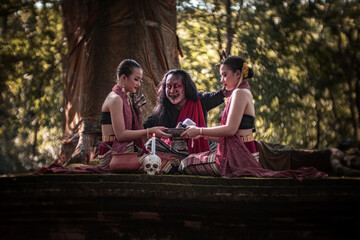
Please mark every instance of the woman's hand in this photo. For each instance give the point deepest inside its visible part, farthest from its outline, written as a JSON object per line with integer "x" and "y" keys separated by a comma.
{"x": 159, "y": 132}
{"x": 191, "y": 132}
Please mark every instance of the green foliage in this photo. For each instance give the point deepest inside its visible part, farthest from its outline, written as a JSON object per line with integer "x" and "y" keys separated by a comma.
{"x": 31, "y": 83}
{"x": 305, "y": 55}
{"x": 198, "y": 41}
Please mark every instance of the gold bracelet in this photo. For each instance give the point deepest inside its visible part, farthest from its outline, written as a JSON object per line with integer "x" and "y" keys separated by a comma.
{"x": 201, "y": 131}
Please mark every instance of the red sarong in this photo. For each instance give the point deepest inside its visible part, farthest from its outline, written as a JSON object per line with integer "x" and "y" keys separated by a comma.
{"x": 131, "y": 122}
{"x": 234, "y": 159}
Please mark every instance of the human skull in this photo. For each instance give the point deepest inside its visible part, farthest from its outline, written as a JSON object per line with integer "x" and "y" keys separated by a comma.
{"x": 152, "y": 164}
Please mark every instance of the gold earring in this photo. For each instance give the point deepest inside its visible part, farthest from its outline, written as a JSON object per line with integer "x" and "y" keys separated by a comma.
{"x": 240, "y": 80}
{"x": 123, "y": 88}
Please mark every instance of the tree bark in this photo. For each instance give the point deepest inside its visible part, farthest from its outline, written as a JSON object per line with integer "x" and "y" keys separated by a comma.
{"x": 100, "y": 34}
{"x": 229, "y": 28}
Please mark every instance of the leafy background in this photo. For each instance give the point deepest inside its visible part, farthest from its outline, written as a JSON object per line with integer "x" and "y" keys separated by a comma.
{"x": 305, "y": 55}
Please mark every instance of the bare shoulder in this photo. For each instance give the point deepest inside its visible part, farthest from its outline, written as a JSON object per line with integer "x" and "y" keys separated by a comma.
{"x": 242, "y": 93}
{"x": 111, "y": 100}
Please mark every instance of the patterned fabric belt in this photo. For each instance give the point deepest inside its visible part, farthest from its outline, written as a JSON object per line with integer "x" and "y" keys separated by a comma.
{"x": 248, "y": 138}
{"x": 108, "y": 138}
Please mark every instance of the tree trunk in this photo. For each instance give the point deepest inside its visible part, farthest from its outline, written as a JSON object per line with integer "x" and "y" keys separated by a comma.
{"x": 216, "y": 23}
{"x": 229, "y": 29}
{"x": 100, "y": 34}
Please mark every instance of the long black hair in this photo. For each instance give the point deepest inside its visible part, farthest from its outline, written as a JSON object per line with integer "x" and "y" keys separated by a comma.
{"x": 163, "y": 102}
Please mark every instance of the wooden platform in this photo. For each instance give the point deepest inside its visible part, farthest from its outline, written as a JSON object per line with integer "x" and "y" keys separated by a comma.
{"x": 131, "y": 206}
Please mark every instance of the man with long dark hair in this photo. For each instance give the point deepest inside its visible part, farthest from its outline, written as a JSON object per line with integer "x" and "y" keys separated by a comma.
{"x": 179, "y": 99}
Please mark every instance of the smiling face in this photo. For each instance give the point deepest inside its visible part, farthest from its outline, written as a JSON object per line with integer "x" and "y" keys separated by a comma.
{"x": 133, "y": 82}
{"x": 229, "y": 78}
{"x": 175, "y": 91}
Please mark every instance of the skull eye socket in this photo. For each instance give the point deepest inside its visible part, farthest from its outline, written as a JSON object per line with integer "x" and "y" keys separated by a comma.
{"x": 155, "y": 166}
{"x": 148, "y": 165}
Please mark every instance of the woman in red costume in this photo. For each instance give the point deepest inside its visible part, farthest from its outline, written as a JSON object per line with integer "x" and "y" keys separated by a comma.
{"x": 236, "y": 152}
{"x": 120, "y": 126}
{"x": 121, "y": 131}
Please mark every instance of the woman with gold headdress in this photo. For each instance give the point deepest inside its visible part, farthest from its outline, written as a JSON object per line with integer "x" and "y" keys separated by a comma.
{"x": 237, "y": 152}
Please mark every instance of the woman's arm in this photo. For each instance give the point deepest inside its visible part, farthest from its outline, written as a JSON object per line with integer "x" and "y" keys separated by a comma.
{"x": 116, "y": 109}
{"x": 240, "y": 99}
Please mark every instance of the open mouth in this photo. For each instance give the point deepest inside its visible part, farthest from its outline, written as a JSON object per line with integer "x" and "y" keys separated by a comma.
{"x": 173, "y": 97}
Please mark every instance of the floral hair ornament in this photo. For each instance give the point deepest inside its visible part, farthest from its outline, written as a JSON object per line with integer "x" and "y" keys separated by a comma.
{"x": 245, "y": 70}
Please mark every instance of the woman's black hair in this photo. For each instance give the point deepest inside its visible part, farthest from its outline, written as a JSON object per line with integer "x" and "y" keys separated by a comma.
{"x": 126, "y": 67}
{"x": 236, "y": 63}
{"x": 163, "y": 102}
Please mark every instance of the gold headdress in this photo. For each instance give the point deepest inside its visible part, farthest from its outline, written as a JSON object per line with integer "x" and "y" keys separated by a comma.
{"x": 223, "y": 57}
